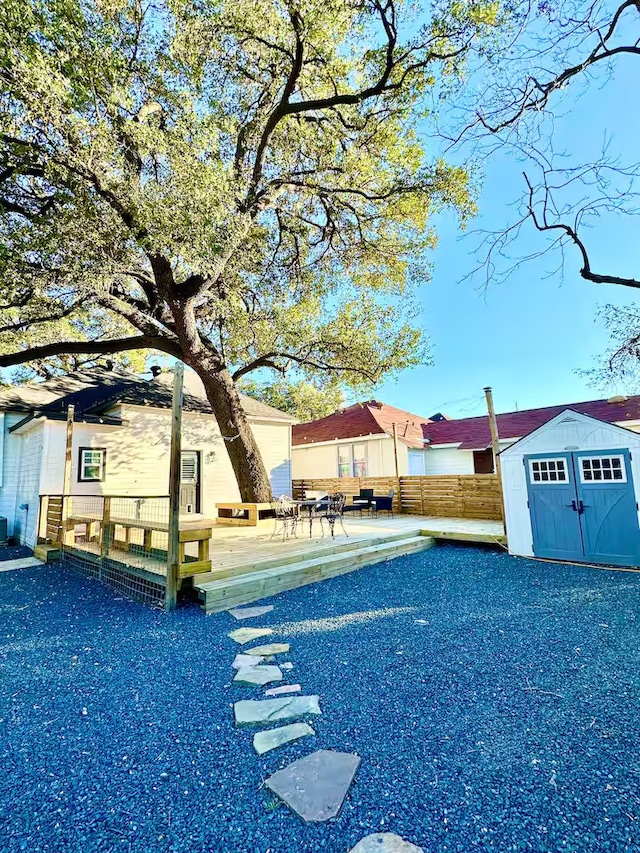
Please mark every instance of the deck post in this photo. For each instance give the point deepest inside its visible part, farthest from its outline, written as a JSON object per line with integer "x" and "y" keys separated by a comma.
{"x": 105, "y": 531}
{"x": 171, "y": 588}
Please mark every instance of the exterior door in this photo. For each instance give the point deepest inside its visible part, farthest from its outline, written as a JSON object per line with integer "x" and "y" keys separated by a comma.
{"x": 190, "y": 481}
{"x": 583, "y": 507}
{"x": 555, "y": 521}
{"x": 607, "y": 501}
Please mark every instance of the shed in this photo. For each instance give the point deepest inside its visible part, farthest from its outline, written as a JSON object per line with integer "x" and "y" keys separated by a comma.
{"x": 572, "y": 490}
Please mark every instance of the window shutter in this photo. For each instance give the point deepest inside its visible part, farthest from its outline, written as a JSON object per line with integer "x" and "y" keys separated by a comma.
{"x": 189, "y": 468}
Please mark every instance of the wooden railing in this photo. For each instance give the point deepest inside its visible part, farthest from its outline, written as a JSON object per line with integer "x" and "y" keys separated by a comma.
{"x": 446, "y": 495}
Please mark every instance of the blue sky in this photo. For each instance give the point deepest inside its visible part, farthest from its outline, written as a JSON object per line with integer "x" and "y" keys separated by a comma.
{"x": 528, "y": 336}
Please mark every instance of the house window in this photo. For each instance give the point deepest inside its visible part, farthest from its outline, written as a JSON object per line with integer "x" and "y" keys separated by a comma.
{"x": 548, "y": 471}
{"x": 92, "y": 464}
{"x": 352, "y": 460}
{"x": 483, "y": 461}
{"x": 602, "y": 468}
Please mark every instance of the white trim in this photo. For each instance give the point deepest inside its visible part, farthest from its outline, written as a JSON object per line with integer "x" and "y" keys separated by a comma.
{"x": 372, "y": 436}
{"x": 549, "y": 460}
{"x": 454, "y": 444}
{"x": 601, "y": 456}
{"x": 84, "y": 465}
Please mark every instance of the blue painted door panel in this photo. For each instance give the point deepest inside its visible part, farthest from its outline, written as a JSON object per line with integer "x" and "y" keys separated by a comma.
{"x": 610, "y": 518}
{"x": 555, "y": 522}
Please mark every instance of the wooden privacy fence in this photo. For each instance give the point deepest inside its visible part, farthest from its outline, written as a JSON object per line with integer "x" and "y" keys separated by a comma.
{"x": 452, "y": 495}
{"x": 349, "y": 486}
{"x": 446, "y": 495}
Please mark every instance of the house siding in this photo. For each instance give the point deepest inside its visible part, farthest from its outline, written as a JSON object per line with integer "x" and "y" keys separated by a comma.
{"x": 448, "y": 461}
{"x": 27, "y": 493}
{"x": 11, "y": 451}
{"x": 137, "y": 455}
{"x": 320, "y": 461}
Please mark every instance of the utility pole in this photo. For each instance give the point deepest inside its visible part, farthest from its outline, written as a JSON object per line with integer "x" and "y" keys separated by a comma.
{"x": 171, "y": 588}
{"x": 395, "y": 448}
{"x": 495, "y": 438}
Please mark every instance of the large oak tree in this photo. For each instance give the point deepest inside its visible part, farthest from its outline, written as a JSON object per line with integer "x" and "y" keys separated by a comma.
{"x": 239, "y": 184}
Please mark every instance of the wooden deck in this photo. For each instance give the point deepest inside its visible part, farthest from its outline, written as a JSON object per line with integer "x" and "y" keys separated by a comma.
{"x": 237, "y": 551}
{"x": 242, "y": 549}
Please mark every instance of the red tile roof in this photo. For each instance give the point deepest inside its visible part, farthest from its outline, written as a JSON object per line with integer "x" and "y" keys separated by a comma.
{"x": 369, "y": 418}
{"x": 474, "y": 433}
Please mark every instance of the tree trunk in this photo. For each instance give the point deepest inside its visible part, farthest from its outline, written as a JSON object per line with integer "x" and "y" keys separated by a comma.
{"x": 244, "y": 453}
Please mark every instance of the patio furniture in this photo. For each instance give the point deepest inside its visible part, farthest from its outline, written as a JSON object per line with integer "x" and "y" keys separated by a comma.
{"x": 362, "y": 502}
{"x": 312, "y": 509}
{"x": 285, "y": 511}
{"x": 383, "y": 502}
{"x": 333, "y": 512}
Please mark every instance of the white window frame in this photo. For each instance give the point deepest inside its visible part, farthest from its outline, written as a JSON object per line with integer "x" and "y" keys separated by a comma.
{"x": 555, "y": 460}
{"x": 84, "y": 464}
{"x": 600, "y": 457}
{"x": 352, "y": 461}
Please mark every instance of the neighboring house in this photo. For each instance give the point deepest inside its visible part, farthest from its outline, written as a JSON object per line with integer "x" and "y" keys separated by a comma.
{"x": 464, "y": 446}
{"x": 121, "y": 440}
{"x": 357, "y": 442}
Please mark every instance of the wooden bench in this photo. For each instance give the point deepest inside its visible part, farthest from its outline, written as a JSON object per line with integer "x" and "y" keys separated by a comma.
{"x": 244, "y": 514}
{"x": 104, "y": 530}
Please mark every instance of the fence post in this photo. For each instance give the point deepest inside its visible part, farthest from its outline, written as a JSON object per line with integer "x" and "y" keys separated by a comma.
{"x": 171, "y": 588}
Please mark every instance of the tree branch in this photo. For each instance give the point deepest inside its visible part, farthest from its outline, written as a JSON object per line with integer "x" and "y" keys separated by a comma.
{"x": 91, "y": 348}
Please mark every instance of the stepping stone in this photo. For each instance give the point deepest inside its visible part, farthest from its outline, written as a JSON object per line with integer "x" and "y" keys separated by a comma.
{"x": 241, "y": 661}
{"x": 286, "y": 688}
{"x": 257, "y": 676}
{"x": 273, "y": 649}
{"x": 245, "y": 635}
{"x": 266, "y": 741}
{"x": 258, "y": 712}
{"x": 314, "y": 787}
{"x": 250, "y": 612}
{"x": 385, "y": 842}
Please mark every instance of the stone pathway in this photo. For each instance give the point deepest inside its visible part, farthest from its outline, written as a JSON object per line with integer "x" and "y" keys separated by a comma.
{"x": 245, "y": 635}
{"x": 315, "y": 786}
{"x": 22, "y": 563}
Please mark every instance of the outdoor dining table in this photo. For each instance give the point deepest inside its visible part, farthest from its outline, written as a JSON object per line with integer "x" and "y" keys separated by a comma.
{"x": 309, "y": 505}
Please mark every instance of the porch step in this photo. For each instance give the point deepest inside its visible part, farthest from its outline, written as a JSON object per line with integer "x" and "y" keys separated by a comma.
{"x": 252, "y": 586}
{"x": 289, "y": 554}
{"x": 47, "y": 553}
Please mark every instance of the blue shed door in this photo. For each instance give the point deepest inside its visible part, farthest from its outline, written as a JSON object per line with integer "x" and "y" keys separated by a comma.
{"x": 583, "y": 507}
{"x": 609, "y": 515}
{"x": 555, "y": 521}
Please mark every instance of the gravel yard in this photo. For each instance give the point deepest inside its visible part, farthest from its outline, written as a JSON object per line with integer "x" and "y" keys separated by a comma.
{"x": 494, "y": 703}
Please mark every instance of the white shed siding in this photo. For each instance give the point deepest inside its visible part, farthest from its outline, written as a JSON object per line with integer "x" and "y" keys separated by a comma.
{"x": 579, "y": 433}
{"x": 448, "y": 460}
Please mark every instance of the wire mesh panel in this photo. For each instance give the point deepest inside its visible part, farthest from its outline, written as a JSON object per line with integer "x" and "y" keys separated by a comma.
{"x": 124, "y": 579}
{"x": 121, "y": 540}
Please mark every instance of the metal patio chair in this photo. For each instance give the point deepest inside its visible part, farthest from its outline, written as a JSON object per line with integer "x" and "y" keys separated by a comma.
{"x": 285, "y": 511}
{"x": 334, "y": 511}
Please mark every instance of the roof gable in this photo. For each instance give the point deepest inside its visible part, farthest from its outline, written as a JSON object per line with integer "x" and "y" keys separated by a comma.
{"x": 359, "y": 421}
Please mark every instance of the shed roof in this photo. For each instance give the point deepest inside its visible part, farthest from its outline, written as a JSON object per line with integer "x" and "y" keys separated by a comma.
{"x": 474, "y": 433}
{"x": 360, "y": 420}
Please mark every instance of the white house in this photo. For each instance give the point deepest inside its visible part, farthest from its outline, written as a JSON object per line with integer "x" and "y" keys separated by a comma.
{"x": 358, "y": 441}
{"x": 120, "y": 446}
{"x": 572, "y": 491}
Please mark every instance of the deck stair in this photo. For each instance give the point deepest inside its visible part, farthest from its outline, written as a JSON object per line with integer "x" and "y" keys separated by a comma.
{"x": 251, "y": 582}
